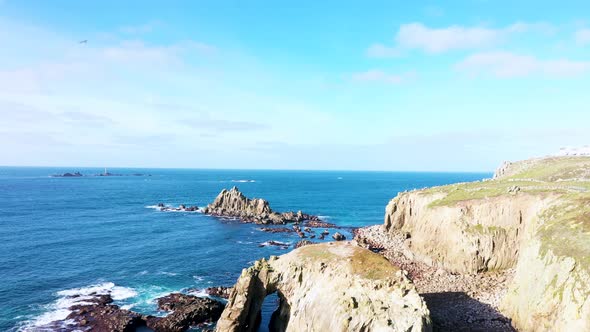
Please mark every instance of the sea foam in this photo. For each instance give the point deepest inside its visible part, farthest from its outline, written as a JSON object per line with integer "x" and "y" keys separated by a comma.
{"x": 59, "y": 309}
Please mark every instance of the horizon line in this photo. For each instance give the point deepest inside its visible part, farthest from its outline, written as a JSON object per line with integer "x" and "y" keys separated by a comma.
{"x": 254, "y": 169}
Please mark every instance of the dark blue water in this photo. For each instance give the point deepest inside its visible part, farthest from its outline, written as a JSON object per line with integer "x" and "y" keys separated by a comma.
{"x": 61, "y": 236}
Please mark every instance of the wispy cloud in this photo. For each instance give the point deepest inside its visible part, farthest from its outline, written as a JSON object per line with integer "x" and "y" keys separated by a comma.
{"x": 582, "y": 36}
{"x": 141, "y": 28}
{"x": 509, "y": 65}
{"x": 375, "y": 75}
{"x": 417, "y": 36}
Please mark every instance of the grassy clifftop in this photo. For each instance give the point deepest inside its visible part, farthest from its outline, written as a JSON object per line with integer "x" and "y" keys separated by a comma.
{"x": 565, "y": 227}
{"x": 567, "y": 176}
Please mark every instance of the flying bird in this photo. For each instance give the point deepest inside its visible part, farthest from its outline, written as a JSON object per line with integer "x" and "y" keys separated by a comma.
{"x": 85, "y": 41}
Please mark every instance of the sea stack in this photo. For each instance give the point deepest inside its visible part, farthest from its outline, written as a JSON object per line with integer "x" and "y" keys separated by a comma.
{"x": 233, "y": 204}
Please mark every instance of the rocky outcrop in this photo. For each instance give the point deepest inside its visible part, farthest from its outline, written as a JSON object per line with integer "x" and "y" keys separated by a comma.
{"x": 327, "y": 287}
{"x": 68, "y": 175}
{"x": 232, "y": 203}
{"x": 186, "y": 311}
{"x": 533, "y": 217}
{"x": 181, "y": 208}
{"x": 98, "y": 313}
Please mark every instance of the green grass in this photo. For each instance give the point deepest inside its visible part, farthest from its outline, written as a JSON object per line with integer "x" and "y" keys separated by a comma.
{"x": 490, "y": 189}
{"x": 552, "y": 169}
{"x": 566, "y": 229}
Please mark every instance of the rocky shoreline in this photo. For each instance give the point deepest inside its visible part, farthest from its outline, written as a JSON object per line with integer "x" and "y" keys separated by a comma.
{"x": 457, "y": 302}
{"x": 97, "y": 313}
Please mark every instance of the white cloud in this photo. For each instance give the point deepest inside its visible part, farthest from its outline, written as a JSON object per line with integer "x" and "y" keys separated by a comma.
{"x": 375, "y": 75}
{"x": 417, "y": 36}
{"x": 583, "y": 36}
{"x": 508, "y": 65}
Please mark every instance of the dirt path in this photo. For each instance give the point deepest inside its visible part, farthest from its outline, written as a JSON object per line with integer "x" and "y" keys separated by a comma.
{"x": 457, "y": 302}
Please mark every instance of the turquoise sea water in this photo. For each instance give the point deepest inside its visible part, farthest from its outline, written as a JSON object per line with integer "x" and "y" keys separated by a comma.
{"x": 64, "y": 236}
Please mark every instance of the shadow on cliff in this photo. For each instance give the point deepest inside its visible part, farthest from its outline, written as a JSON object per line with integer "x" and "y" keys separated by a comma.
{"x": 456, "y": 311}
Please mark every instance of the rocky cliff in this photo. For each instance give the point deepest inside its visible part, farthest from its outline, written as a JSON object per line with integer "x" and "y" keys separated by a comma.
{"x": 534, "y": 216}
{"x": 327, "y": 287}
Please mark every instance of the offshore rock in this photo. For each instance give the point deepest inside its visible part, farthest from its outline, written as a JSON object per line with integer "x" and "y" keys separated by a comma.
{"x": 327, "y": 287}
{"x": 232, "y": 203}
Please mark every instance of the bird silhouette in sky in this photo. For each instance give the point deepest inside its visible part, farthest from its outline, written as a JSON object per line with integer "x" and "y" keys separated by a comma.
{"x": 83, "y": 41}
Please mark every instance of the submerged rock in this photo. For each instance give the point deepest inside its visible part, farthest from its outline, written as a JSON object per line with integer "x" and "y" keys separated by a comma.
{"x": 180, "y": 208}
{"x": 327, "y": 287}
{"x": 276, "y": 230}
{"x": 232, "y": 203}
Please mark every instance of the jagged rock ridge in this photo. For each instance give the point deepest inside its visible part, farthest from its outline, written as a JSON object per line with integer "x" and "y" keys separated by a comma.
{"x": 232, "y": 203}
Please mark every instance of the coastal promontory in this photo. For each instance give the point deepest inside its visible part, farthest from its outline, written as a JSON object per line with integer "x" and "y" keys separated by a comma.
{"x": 335, "y": 286}
{"x": 529, "y": 224}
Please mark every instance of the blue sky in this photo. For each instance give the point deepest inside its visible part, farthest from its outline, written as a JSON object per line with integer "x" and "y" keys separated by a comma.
{"x": 373, "y": 85}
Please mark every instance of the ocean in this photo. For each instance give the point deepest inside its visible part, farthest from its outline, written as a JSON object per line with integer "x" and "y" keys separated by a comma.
{"x": 73, "y": 236}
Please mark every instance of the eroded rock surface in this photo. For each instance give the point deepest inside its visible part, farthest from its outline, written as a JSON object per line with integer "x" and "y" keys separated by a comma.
{"x": 327, "y": 287}
{"x": 186, "y": 311}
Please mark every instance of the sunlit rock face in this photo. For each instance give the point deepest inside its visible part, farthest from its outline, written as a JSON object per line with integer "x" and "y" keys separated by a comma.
{"x": 327, "y": 287}
{"x": 533, "y": 216}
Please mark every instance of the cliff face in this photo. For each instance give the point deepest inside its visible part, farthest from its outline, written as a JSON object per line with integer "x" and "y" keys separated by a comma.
{"x": 534, "y": 216}
{"x": 327, "y": 287}
{"x": 466, "y": 236}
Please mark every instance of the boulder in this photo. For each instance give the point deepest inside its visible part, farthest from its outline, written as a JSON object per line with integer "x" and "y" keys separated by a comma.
{"x": 338, "y": 237}
{"x": 302, "y": 243}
